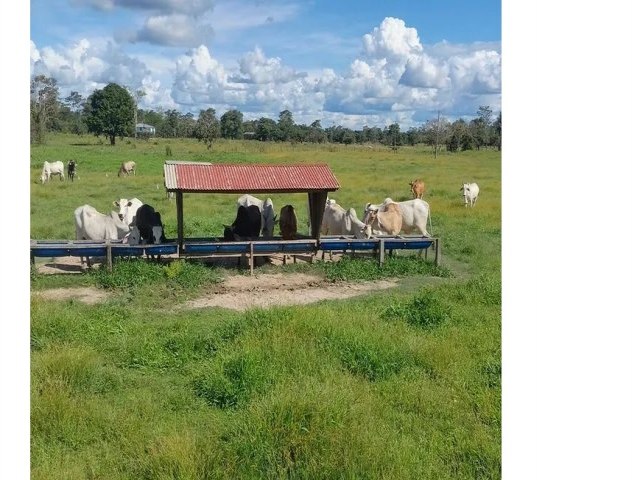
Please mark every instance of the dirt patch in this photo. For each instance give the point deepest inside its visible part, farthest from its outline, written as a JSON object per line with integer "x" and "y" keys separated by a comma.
{"x": 241, "y": 292}
{"x": 86, "y": 295}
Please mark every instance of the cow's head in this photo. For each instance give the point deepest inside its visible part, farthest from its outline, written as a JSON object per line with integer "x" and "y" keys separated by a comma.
{"x": 127, "y": 209}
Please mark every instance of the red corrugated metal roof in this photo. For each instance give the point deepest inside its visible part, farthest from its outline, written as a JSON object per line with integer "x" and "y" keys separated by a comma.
{"x": 223, "y": 178}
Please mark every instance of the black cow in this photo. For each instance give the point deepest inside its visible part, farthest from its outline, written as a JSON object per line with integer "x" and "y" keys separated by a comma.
{"x": 147, "y": 220}
{"x": 71, "y": 169}
{"x": 246, "y": 225}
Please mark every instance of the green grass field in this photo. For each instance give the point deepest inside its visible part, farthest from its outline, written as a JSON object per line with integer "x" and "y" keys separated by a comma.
{"x": 400, "y": 384}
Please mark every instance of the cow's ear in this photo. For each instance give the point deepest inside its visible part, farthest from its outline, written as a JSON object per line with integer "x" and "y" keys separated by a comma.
{"x": 116, "y": 204}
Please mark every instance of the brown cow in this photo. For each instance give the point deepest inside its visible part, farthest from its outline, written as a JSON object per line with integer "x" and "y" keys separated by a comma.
{"x": 417, "y": 188}
{"x": 389, "y": 221}
{"x": 127, "y": 168}
{"x": 288, "y": 222}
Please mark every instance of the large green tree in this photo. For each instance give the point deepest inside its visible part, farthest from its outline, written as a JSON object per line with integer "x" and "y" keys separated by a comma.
{"x": 110, "y": 112}
{"x": 231, "y": 124}
{"x": 207, "y": 127}
{"x": 44, "y": 106}
{"x": 285, "y": 125}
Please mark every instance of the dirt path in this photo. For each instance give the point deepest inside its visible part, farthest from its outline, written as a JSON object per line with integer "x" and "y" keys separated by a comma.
{"x": 242, "y": 292}
{"x": 88, "y": 295}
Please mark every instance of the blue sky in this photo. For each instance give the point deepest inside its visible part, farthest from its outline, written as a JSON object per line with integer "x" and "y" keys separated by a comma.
{"x": 352, "y": 63}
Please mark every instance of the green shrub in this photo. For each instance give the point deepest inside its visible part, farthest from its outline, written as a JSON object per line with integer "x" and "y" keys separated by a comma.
{"x": 368, "y": 268}
{"x": 423, "y": 310}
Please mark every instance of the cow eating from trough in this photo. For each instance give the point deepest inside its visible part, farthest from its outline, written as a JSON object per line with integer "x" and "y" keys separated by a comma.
{"x": 246, "y": 226}
{"x": 415, "y": 214}
{"x": 266, "y": 211}
{"x": 288, "y": 222}
{"x": 149, "y": 224}
{"x": 93, "y": 225}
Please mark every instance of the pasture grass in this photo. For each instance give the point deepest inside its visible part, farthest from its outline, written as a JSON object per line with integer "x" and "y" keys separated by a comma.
{"x": 401, "y": 384}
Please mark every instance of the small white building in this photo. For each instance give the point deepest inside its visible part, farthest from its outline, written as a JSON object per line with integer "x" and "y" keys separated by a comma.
{"x": 143, "y": 128}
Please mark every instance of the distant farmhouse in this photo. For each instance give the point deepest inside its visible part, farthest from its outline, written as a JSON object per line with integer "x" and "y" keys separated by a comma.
{"x": 144, "y": 129}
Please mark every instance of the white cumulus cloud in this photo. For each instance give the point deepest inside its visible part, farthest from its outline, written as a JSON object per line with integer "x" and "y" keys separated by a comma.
{"x": 255, "y": 67}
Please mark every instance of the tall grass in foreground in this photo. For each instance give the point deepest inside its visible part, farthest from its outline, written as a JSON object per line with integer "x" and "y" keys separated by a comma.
{"x": 406, "y": 386}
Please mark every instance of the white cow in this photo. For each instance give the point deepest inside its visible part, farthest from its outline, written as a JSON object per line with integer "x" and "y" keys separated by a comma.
{"x": 127, "y": 210}
{"x": 388, "y": 221}
{"x": 93, "y": 225}
{"x": 266, "y": 211}
{"x": 53, "y": 168}
{"x": 415, "y": 214}
{"x": 470, "y": 193}
{"x": 338, "y": 221}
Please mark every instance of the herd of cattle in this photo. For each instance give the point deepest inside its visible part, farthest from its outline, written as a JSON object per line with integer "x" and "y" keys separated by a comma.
{"x": 139, "y": 223}
{"x": 57, "y": 168}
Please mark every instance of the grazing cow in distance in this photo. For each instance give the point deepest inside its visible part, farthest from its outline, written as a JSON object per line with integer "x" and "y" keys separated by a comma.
{"x": 288, "y": 222}
{"x": 149, "y": 224}
{"x": 127, "y": 168}
{"x": 246, "y": 225}
{"x": 388, "y": 221}
{"x": 415, "y": 214}
{"x": 470, "y": 193}
{"x": 127, "y": 209}
{"x": 417, "y": 188}
{"x": 71, "y": 169}
{"x": 52, "y": 168}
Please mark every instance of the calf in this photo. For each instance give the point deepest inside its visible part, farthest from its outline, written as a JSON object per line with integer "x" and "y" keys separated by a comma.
{"x": 417, "y": 188}
{"x": 127, "y": 168}
{"x": 71, "y": 169}
{"x": 388, "y": 221}
{"x": 288, "y": 222}
{"x": 246, "y": 225}
{"x": 52, "y": 168}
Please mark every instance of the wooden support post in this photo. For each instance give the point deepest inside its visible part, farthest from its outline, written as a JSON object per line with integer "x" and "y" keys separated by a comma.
{"x": 180, "y": 218}
{"x": 251, "y": 258}
{"x": 109, "y": 259}
{"x": 381, "y": 252}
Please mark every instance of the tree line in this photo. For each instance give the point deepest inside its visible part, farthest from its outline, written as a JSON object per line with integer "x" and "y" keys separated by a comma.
{"x": 112, "y": 112}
